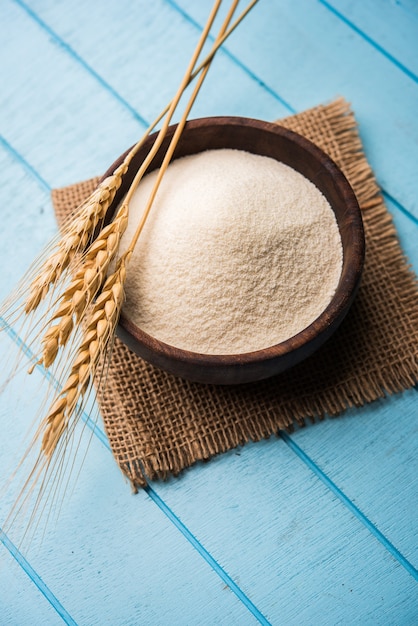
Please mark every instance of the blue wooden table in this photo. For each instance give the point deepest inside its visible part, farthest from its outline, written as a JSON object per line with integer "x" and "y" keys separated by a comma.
{"x": 319, "y": 527}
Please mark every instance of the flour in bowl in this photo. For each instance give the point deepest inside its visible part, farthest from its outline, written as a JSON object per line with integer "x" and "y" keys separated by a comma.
{"x": 239, "y": 252}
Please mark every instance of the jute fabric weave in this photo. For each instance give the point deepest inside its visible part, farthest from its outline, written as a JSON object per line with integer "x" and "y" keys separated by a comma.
{"x": 158, "y": 424}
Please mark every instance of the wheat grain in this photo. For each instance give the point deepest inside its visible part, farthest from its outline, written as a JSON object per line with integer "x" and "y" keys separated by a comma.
{"x": 83, "y": 287}
{"x": 77, "y": 233}
{"x": 100, "y": 326}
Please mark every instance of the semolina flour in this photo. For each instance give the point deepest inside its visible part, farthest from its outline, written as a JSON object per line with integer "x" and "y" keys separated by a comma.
{"x": 239, "y": 252}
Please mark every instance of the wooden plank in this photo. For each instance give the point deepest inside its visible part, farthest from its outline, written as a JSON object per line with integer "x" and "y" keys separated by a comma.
{"x": 63, "y": 122}
{"x": 107, "y": 69}
{"x": 382, "y": 480}
{"x": 147, "y": 72}
{"x": 25, "y": 203}
{"x": 409, "y": 6}
{"x": 407, "y": 230}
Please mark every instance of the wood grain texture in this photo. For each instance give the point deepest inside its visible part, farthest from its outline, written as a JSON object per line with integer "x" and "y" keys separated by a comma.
{"x": 372, "y": 475}
{"x": 308, "y": 555}
{"x": 281, "y": 535}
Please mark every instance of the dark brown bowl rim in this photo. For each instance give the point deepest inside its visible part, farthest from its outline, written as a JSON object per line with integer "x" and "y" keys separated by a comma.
{"x": 330, "y": 317}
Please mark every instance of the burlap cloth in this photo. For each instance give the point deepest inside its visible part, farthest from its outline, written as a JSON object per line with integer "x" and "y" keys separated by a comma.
{"x": 158, "y": 424}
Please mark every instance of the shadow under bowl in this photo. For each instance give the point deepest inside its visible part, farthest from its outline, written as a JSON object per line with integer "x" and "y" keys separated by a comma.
{"x": 271, "y": 140}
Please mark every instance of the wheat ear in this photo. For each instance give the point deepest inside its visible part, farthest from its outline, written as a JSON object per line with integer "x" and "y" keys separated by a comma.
{"x": 76, "y": 236}
{"x": 99, "y": 328}
{"x": 83, "y": 287}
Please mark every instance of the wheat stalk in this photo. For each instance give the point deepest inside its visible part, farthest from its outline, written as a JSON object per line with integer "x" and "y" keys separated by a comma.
{"x": 91, "y": 297}
{"x": 86, "y": 282}
{"x": 100, "y": 323}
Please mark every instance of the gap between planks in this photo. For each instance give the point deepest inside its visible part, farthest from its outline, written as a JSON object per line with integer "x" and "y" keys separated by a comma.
{"x": 369, "y": 40}
{"x": 35, "y": 578}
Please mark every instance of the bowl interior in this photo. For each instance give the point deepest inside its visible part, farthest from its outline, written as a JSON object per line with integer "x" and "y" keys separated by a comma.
{"x": 274, "y": 141}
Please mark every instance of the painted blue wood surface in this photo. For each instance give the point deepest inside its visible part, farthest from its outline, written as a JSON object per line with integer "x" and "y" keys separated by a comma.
{"x": 26, "y": 604}
{"x": 305, "y": 54}
{"x": 315, "y": 528}
{"x": 371, "y": 19}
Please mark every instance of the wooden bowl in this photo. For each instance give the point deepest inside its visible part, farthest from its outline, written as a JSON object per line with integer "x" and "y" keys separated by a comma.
{"x": 294, "y": 150}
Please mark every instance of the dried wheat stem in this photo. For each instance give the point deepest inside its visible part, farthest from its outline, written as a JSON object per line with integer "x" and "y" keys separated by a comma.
{"x": 222, "y": 35}
{"x": 217, "y": 44}
{"x": 173, "y": 105}
{"x": 177, "y": 134}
